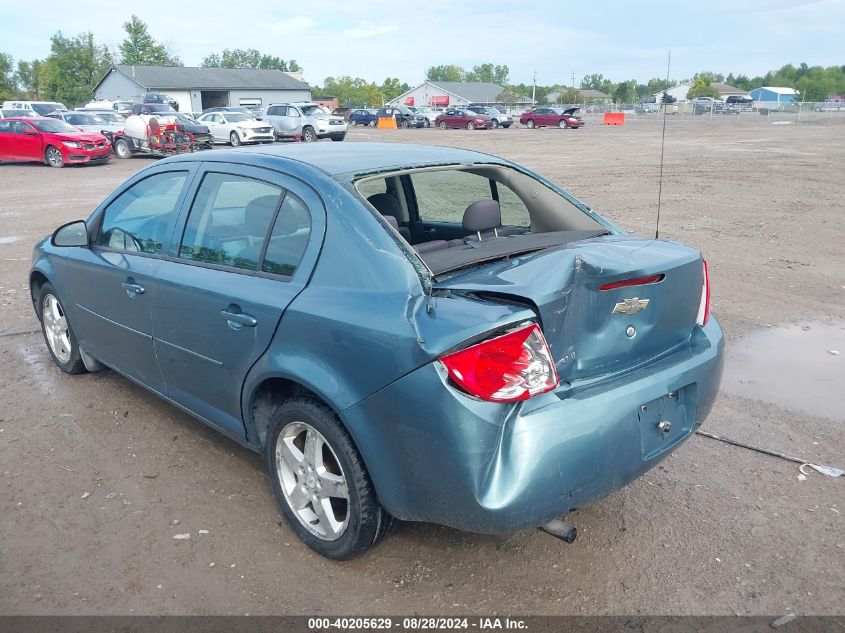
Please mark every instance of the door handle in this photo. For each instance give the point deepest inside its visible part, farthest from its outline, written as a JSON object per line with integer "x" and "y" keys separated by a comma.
{"x": 429, "y": 229}
{"x": 132, "y": 288}
{"x": 236, "y": 318}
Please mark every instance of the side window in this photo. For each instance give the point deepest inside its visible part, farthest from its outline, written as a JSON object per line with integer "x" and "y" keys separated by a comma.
{"x": 443, "y": 196}
{"x": 293, "y": 112}
{"x": 5, "y": 127}
{"x": 289, "y": 237}
{"x": 275, "y": 111}
{"x": 514, "y": 211}
{"x": 229, "y": 220}
{"x": 369, "y": 188}
{"x": 138, "y": 219}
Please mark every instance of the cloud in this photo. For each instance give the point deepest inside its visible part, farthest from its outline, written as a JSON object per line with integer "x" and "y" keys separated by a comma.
{"x": 360, "y": 32}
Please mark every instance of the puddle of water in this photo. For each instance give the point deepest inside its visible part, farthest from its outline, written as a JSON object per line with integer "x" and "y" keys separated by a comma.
{"x": 791, "y": 367}
{"x": 8, "y": 239}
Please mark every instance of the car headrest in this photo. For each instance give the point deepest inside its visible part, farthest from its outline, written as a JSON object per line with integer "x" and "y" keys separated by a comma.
{"x": 385, "y": 204}
{"x": 482, "y": 216}
{"x": 392, "y": 221}
{"x": 259, "y": 214}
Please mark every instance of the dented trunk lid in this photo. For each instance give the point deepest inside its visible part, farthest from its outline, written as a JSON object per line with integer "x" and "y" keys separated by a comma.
{"x": 592, "y": 331}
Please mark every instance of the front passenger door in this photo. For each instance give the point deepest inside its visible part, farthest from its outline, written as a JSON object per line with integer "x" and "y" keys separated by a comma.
{"x": 112, "y": 282}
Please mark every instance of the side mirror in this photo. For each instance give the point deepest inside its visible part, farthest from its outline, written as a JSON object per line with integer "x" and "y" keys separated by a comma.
{"x": 29, "y": 131}
{"x": 71, "y": 234}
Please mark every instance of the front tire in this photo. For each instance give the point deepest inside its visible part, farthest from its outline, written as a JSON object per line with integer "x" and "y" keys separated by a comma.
{"x": 320, "y": 481}
{"x": 308, "y": 134}
{"x": 53, "y": 157}
{"x": 470, "y": 125}
{"x": 121, "y": 149}
{"x": 60, "y": 339}
{"x": 234, "y": 139}
{"x": 494, "y": 124}
{"x": 338, "y": 137}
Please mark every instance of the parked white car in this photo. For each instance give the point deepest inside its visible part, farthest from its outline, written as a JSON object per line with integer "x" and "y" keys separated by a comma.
{"x": 40, "y": 108}
{"x": 87, "y": 121}
{"x": 237, "y": 128}
{"x": 425, "y": 111}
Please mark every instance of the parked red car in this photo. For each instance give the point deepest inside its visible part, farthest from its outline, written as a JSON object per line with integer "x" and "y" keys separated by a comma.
{"x": 547, "y": 117}
{"x": 463, "y": 119}
{"x": 50, "y": 141}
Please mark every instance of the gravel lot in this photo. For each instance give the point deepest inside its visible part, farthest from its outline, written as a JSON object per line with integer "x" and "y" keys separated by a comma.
{"x": 714, "y": 530}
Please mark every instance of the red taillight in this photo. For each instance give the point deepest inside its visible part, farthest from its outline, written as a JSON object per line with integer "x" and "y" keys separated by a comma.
{"x": 507, "y": 368}
{"x": 704, "y": 305}
{"x": 639, "y": 281}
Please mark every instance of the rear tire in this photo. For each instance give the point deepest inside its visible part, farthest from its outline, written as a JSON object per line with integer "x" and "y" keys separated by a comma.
{"x": 443, "y": 125}
{"x": 339, "y": 137}
{"x": 529, "y": 124}
{"x": 121, "y": 149}
{"x": 59, "y": 336}
{"x": 561, "y": 124}
{"x": 494, "y": 124}
{"x": 309, "y": 456}
{"x": 53, "y": 157}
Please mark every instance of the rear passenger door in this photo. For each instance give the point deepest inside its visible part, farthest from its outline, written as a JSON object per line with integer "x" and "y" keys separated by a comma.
{"x": 244, "y": 251}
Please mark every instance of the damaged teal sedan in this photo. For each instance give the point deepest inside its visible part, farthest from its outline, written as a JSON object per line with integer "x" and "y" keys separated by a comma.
{"x": 403, "y": 331}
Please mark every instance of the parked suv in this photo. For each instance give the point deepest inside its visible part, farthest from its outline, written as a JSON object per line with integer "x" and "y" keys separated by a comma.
{"x": 499, "y": 119}
{"x": 155, "y": 97}
{"x": 738, "y": 103}
{"x": 160, "y": 109}
{"x": 308, "y": 121}
{"x": 404, "y": 117}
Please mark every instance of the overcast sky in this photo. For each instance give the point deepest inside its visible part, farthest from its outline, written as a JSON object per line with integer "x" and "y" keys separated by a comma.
{"x": 374, "y": 39}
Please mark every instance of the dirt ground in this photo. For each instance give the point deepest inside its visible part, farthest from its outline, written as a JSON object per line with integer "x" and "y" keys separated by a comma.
{"x": 714, "y": 530}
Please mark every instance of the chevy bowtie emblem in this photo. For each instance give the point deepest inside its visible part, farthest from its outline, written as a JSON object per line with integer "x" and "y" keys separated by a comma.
{"x": 630, "y": 306}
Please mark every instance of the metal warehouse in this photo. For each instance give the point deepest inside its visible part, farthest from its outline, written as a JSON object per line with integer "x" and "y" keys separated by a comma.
{"x": 199, "y": 88}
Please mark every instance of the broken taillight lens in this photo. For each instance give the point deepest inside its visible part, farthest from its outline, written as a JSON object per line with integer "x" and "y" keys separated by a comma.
{"x": 704, "y": 304}
{"x": 507, "y": 368}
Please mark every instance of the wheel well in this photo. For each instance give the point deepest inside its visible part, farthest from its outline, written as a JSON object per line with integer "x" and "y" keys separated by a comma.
{"x": 36, "y": 280}
{"x": 267, "y": 398}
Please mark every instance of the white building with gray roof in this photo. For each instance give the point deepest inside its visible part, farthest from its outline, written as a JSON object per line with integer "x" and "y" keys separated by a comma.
{"x": 196, "y": 89}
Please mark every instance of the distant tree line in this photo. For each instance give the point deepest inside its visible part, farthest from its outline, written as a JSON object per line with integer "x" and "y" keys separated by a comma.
{"x": 75, "y": 64}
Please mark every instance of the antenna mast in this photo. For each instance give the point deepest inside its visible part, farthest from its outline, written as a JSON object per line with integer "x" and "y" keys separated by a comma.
{"x": 662, "y": 146}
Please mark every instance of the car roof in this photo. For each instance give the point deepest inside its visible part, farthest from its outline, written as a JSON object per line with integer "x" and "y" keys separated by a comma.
{"x": 336, "y": 159}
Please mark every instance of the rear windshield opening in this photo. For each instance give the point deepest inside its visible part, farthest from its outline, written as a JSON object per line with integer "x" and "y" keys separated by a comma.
{"x": 464, "y": 214}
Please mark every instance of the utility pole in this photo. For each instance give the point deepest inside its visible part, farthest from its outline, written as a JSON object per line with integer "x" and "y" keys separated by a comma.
{"x": 573, "y": 79}
{"x": 534, "y": 90}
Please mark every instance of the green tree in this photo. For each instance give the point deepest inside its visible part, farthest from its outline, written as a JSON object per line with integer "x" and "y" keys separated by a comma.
{"x": 27, "y": 77}
{"x": 74, "y": 65}
{"x": 448, "y": 72}
{"x": 625, "y": 91}
{"x": 597, "y": 82}
{"x": 8, "y": 84}
{"x": 489, "y": 73}
{"x": 701, "y": 88}
{"x": 248, "y": 58}
{"x": 710, "y": 77}
{"x": 392, "y": 88}
{"x": 353, "y": 91}
{"x": 140, "y": 49}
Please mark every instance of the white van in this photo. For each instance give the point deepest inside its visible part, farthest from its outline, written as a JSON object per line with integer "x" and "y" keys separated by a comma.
{"x": 42, "y": 108}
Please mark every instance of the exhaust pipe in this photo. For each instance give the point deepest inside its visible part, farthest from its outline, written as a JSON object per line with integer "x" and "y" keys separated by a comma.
{"x": 559, "y": 528}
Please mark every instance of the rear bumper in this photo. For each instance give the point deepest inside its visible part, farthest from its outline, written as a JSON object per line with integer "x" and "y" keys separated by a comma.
{"x": 436, "y": 455}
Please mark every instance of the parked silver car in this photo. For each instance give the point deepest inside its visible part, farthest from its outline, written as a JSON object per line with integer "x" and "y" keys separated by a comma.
{"x": 307, "y": 120}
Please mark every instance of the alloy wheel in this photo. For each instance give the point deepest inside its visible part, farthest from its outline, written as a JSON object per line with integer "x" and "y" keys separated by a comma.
{"x": 470, "y": 125}
{"x": 56, "y": 328}
{"x": 54, "y": 157}
{"x": 312, "y": 480}
{"x": 235, "y": 139}
{"x": 530, "y": 124}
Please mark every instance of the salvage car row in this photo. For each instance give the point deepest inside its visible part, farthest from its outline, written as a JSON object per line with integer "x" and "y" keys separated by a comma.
{"x": 50, "y": 133}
